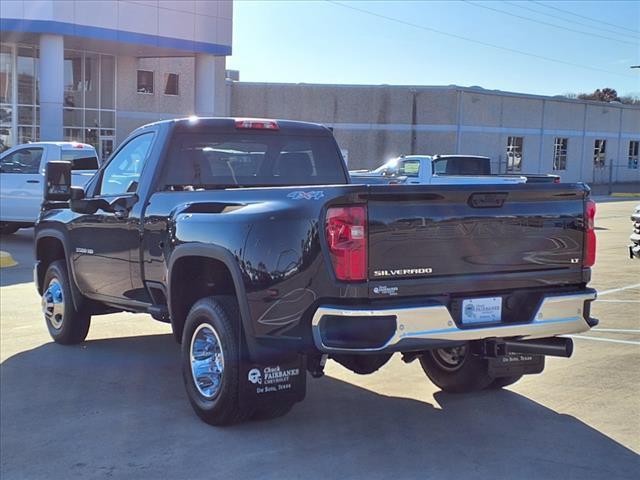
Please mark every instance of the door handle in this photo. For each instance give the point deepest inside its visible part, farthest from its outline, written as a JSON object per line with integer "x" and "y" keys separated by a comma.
{"x": 33, "y": 181}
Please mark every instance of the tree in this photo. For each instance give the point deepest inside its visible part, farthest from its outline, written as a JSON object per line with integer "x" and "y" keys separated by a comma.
{"x": 630, "y": 100}
{"x": 604, "y": 95}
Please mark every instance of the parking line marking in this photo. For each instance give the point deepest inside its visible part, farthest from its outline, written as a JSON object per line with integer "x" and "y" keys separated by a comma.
{"x": 618, "y": 301}
{"x": 619, "y": 330}
{"x": 614, "y": 290}
{"x": 6, "y": 260}
{"x": 600, "y": 339}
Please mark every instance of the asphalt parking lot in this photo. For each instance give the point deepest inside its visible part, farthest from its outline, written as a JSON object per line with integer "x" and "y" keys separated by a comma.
{"x": 115, "y": 405}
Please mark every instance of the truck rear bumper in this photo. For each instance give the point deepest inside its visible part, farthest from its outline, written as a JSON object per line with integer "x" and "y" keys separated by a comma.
{"x": 338, "y": 329}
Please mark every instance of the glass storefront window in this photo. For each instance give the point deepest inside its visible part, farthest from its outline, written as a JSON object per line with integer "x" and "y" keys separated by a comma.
{"x": 88, "y": 97}
{"x": 91, "y": 136}
{"x": 91, "y": 118}
{"x": 91, "y": 79}
{"x": 25, "y": 134}
{"x": 73, "y": 95}
{"x": 5, "y": 115}
{"x": 25, "y": 116}
{"x": 73, "y": 135}
{"x": 107, "y": 119}
{"x": 5, "y": 138}
{"x": 26, "y": 69}
{"x": 107, "y": 81}
{"x": 6, "y": 74}
{"x": 72, "y": 117}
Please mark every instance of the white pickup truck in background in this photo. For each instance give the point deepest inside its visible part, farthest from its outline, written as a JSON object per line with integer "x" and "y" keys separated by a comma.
{"x": 443, "y": 170}
{"x": 22, "y": 178}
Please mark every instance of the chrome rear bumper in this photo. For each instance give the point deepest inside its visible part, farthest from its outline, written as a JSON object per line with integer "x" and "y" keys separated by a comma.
{"x": 557, "y": 315}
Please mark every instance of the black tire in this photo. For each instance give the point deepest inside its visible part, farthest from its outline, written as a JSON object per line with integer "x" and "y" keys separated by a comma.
{"x": 501, "y": 382}
{"x": 7, "y": 228}
{"x": 220, "y": 313}
{"x": 470, "y": 374}
{"x": 66, "y": 325}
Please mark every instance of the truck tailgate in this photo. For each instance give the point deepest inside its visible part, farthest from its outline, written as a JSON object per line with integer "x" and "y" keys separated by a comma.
{"x": 434, "y": 231}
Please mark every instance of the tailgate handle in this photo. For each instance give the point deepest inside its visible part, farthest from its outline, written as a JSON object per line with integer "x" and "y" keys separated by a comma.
{"x": 487, "y": 200}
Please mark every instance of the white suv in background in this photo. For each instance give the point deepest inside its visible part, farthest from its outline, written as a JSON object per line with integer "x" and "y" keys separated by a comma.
{"x": 22, "y": 178}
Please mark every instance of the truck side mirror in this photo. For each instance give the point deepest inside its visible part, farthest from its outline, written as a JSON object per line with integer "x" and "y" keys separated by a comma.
{"x": 77, "y": 193}
{"x": 57, "y": 176}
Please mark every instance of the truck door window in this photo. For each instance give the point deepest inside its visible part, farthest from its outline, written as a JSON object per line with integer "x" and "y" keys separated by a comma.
{"x": 25, "y": 160}
{"x": 123, "y": 171}
{"x": 440, "y": 166}
{"x": 409, "y": 168}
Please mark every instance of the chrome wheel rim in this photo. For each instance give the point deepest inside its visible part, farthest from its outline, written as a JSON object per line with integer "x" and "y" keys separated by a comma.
{"x": 53, "y": 304}
{"x": 450, "y": 359}
{"x": 207, "y": 361}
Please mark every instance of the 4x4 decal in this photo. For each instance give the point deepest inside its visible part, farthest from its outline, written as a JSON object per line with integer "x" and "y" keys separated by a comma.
{"x": 301, "y": 195}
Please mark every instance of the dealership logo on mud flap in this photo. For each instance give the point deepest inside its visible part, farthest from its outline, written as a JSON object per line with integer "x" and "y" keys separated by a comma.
{"x": 272, "y": 379}
{"x": 255, "y": 376}
{"x": 276, "y": 375}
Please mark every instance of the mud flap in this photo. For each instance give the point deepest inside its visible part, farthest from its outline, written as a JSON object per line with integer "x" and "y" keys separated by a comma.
{"x": 280, "y": 380}
{"x": 515, "y": 364}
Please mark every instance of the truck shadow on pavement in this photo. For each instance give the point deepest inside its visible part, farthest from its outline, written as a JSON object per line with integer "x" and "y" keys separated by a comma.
{"x": 117, "y": 408}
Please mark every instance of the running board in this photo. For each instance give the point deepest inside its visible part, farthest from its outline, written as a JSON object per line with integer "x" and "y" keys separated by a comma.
{"x": 159, "y": 312}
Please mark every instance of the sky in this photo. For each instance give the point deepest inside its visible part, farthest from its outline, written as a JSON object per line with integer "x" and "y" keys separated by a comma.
{"x": 495, "y": 45}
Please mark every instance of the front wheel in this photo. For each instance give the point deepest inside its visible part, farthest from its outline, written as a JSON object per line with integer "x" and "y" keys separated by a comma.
{"x": 66, "y": 325}
{"x": 211, "y": 361}
{"x": 456, "y": 369}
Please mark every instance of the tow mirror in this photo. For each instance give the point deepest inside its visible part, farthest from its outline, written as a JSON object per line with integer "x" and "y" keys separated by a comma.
{"x": 57, "y": 176}
{"x": 77, "y": 193}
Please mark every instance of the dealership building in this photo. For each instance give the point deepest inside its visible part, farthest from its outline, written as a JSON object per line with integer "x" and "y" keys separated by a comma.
{"x": 94, "y": 70}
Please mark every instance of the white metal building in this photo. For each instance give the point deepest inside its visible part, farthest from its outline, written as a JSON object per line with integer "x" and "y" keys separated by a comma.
{"x": 585, "y": 141}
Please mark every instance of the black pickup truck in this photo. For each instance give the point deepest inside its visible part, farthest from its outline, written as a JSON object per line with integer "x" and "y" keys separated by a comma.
{"x": 247, "y": 237}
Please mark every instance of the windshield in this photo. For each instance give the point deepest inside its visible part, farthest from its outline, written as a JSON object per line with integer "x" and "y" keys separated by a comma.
{"x": 212, "y": 160}
{"x": 400, "y": 167}
{"x": 389, "y": 168}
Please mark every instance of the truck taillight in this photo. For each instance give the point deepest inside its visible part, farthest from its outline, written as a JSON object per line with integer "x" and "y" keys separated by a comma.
{"x": 257, "y": 124}
{"x": 590, "y": 235}
{"x": 346, "y": 229}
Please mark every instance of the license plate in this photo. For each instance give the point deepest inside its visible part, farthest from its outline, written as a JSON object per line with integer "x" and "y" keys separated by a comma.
{"x": 482, "y": 310}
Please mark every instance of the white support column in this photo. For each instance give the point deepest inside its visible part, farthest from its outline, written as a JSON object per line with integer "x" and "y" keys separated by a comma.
{"x": 51, "y": 86}
{"x": 210, "y": 90}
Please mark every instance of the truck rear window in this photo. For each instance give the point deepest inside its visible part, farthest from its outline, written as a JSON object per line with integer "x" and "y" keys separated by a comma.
{"x": 210, "y": 160}
{"x": 81, "y": 159}
{"x": 461, "y": 166}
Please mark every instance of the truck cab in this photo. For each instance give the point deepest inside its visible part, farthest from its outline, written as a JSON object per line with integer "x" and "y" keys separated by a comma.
{"x": 435, "y": 170}
{"x": 22, "y": 171}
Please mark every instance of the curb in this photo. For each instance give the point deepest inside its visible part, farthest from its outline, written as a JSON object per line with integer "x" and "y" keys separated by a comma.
{"x": 625, "y": 194}
{"x": 6, "y": 260}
